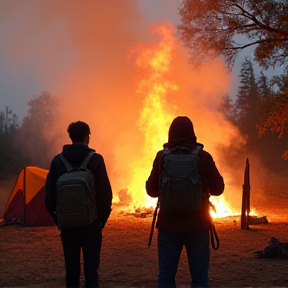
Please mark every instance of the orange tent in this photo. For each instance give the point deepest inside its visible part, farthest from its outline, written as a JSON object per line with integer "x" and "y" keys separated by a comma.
{"x": 26, "y": 204}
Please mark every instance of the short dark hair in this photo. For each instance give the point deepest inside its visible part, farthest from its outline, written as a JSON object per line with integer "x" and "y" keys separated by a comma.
{"x": 78, "y": 131}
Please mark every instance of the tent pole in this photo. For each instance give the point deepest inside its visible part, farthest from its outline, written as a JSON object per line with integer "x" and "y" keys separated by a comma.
{"x": 24, "y": 185}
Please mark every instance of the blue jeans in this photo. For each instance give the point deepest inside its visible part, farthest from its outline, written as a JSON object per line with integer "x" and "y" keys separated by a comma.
{"x": 89, "y": 239}
{"x": 170, "y": 245}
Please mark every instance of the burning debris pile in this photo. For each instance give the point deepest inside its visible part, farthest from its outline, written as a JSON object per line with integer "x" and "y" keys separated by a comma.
{"x": 143, "y": 212}
{"x": 128, "y": 209}
{"x": 275, "y": 249}
{"x": 124, "y": 197}
{"x": 140, "y": 212}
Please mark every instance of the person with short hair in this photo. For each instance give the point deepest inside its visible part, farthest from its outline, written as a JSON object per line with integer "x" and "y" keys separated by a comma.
{"x": 191, "y": 230}
{"x": 89, "y": 237}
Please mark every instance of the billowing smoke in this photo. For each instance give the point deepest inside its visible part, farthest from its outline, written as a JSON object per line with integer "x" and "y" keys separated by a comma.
{"x": 88, "y": 53}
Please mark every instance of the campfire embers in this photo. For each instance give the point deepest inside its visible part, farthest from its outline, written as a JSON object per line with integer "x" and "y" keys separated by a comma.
{"x": 128, "y": 209}
{"x": 137, "y": 212}
{"x": 144, "y": 212}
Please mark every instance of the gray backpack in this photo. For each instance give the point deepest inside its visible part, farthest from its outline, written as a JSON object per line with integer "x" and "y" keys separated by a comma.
{"x": 181, "y": 189}
{"x": 76, "y": 196}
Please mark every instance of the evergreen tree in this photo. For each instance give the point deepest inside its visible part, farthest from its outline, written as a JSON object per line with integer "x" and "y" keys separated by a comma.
{"x": 228, "y": 109}
{"x": 226, "y": 27}
{"x": 263, "y": 86}
{"x": 247, "y": 102}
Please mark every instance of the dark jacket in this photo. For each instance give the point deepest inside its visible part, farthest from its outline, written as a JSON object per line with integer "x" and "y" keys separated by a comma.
{"x": 75, "y": 154}
{"x": 181, "y": 133}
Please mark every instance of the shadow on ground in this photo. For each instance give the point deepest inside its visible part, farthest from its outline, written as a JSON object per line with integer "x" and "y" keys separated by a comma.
{"x": 106, "y": 285}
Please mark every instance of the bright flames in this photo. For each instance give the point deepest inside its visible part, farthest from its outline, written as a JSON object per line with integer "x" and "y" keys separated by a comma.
{"x": 156, "y": 117}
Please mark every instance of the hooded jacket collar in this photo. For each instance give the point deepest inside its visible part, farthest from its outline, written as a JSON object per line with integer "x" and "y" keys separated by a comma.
{"x": 75, "y": 153}
{"x": 181, "y": 133}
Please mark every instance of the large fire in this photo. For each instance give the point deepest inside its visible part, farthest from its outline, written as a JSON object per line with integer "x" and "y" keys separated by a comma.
{"x": 155, "y": 119}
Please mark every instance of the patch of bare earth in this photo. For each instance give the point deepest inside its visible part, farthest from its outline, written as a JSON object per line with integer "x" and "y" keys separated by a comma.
{"x": 32, "y": 256}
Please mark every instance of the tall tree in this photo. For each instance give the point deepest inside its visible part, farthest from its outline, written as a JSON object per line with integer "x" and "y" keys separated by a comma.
{"x": 37, "y": 132}
{"x": 247, "y": 100}
{"x": 228, "y": 109}
{"x": 263, "y": 86}
{"x": 8, "y": 121}
{"x": 9, "y": 125}
{"x": 225, "y": 27}
{"x": 275, "y": 109}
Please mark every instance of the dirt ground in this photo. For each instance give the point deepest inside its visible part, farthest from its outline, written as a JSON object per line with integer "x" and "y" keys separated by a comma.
{"x": 32, "y": 256}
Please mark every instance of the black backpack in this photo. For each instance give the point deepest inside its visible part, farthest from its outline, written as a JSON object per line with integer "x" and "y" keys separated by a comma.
{"x": 76, "y": 196}
{"x": 181, "y": 189}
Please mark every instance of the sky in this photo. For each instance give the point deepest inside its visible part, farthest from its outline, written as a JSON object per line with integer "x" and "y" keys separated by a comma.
{"x": 119, "y": 66}
{"x": 28, "y": 39}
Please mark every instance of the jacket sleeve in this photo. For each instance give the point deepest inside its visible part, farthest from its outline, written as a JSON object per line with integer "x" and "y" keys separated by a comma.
{"x": 215, "y": 182}
{"x": 153, "y": 182}
{"x": 103, "y": 192}
{"x": 50, "y": 192}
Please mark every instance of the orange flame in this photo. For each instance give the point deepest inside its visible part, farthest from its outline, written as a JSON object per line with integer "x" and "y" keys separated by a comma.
{"x": 156, "y": 116}
{"x": 222, "y": 208}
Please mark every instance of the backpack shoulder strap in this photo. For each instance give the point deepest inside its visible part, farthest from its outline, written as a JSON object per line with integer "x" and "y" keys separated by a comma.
{"x": 183, "y": 150}
{"x": 66, "y": 162}
{"x": 177, "y": 150}
{"x": 196, "y": 151}
{"x": 86, "y": 160}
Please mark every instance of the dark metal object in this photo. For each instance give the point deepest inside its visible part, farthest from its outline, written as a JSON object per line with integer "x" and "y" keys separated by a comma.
{"x": 153, "y": 222}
